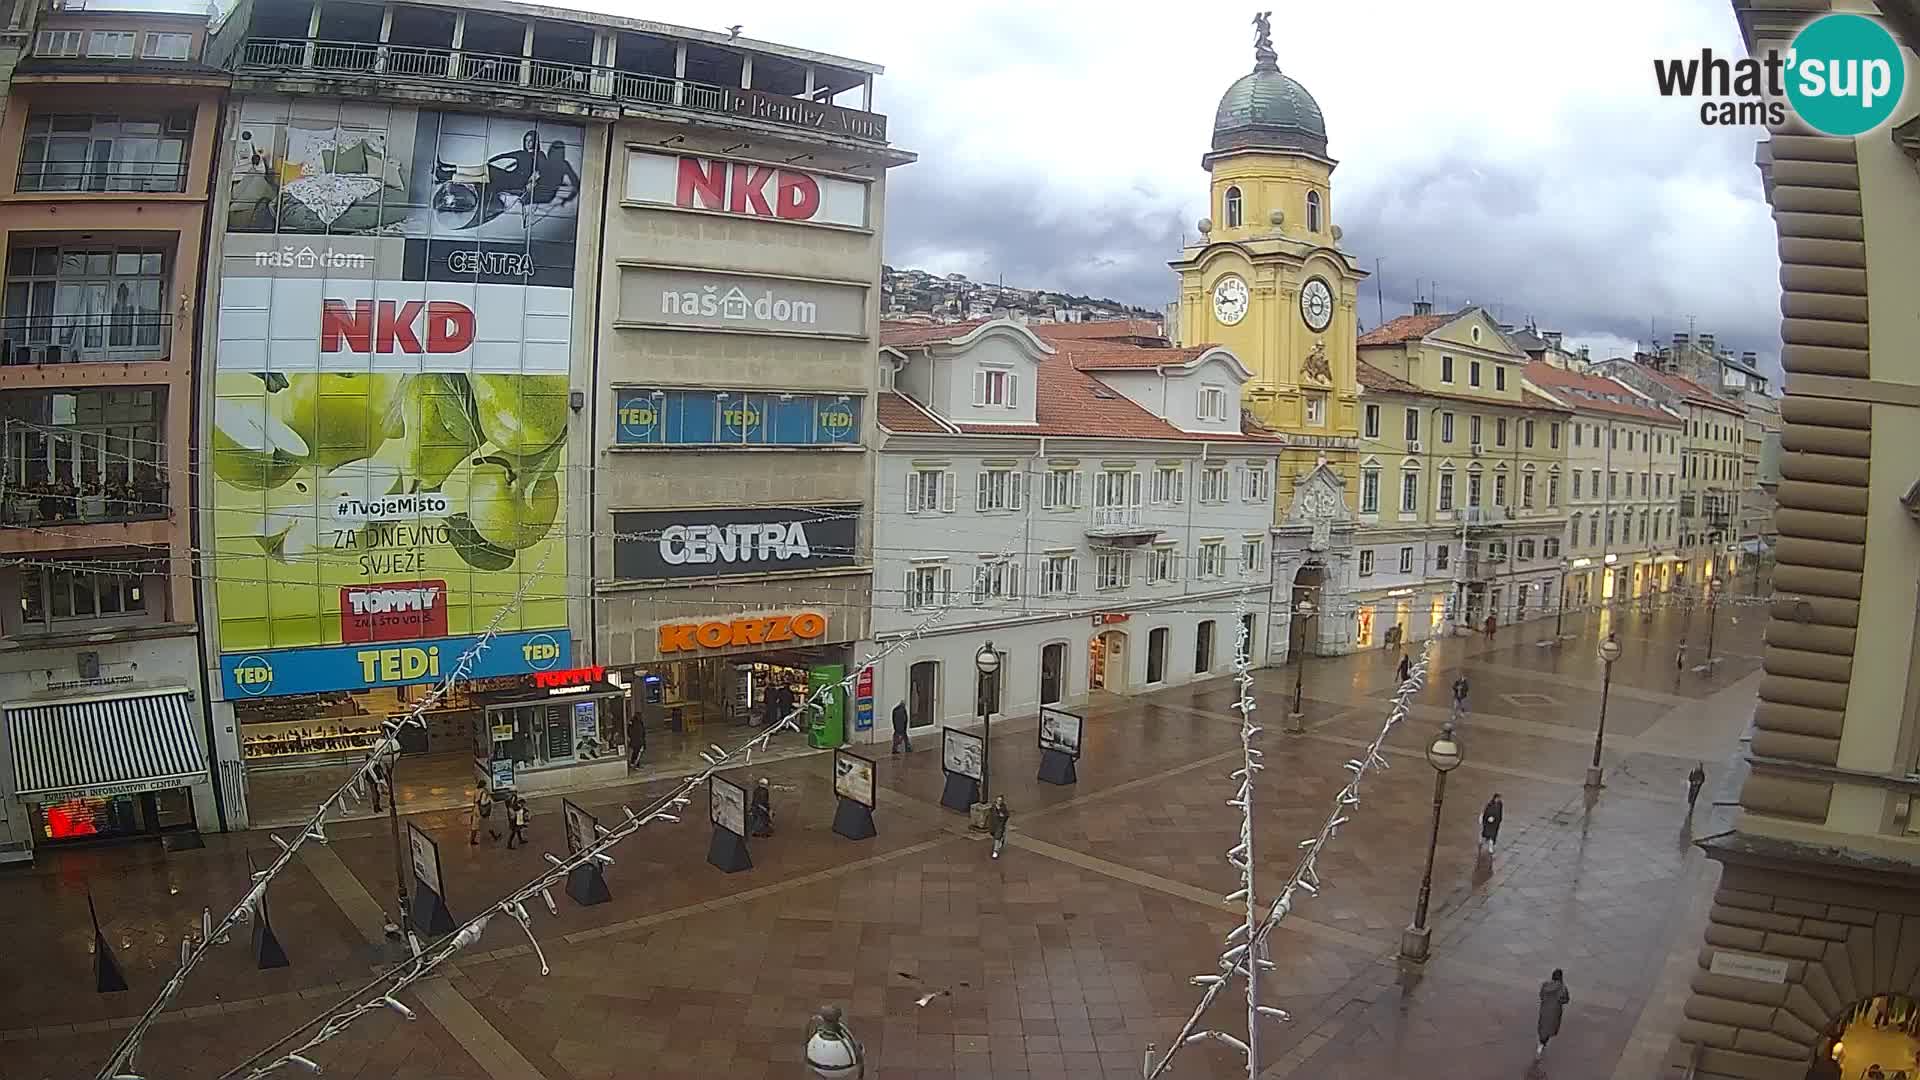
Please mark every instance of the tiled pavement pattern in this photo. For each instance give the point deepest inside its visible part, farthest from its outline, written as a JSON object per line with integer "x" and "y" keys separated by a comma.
{"x": 1065, "y": 958}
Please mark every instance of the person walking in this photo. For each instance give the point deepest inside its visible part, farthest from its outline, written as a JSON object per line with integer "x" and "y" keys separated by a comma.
{"x": 637, "y": 734}
{"x": 480, "y": 816}
{"x": 378, "y": 774}
{"x": 1492, "y": 625}
{"x": 760, "y": 813}
{"x": 1459, "y": 696}
{"x": 1696, "y": 780}
{"x": 1490, "y": 818}
{"x": 1680, "y": 657}
{"x": 1406, "y": 669}
{"x": 1553, "y": 1003}
{"x": 517, "y": 815}
{"x": 900, "y": 742}
{"x": 997, "y": 823}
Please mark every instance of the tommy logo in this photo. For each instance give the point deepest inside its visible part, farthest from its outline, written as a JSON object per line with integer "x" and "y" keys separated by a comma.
{"x": 393, "y": 611}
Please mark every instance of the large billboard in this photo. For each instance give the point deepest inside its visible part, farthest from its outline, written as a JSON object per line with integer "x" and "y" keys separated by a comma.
{"x": 388, "y": 431}
{"x": 651, "y": 545}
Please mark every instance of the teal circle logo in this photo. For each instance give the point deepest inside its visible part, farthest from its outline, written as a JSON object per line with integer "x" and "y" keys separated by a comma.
{"x": 1845, "y": 74}
{"x": 253, "y": 675}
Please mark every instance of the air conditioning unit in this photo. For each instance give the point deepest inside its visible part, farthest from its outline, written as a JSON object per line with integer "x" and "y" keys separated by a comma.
{"x": 1476, "y": 449}
{"x": 1413, "y": 446}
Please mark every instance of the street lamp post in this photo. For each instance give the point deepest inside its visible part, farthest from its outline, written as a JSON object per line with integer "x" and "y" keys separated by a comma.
{"x": 987, "y": 663}
{"x": 1296, "y": 719}
{"x": 1445, "y": 756}
{"x": 1713, "y": 619}
{"x": 1609, "y": 652}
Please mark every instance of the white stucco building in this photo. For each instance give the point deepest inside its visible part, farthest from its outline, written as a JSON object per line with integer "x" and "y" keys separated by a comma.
{"x": 1095, "y": 509}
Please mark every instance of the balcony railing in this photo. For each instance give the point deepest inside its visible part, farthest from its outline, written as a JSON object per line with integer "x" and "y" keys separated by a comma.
{"x": 447, "y": 65}
{"x": 97, "y": 338}
{"x": 37, "y": 505}
{"x": 82, "y": 176}
{"x": 1105, "y": 517}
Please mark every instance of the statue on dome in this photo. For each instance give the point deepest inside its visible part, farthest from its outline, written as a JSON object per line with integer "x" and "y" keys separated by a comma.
{"x": 1263, "y": 39}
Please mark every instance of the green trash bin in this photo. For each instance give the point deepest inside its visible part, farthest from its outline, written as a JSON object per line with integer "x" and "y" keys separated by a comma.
{"x": 827, "y": 719}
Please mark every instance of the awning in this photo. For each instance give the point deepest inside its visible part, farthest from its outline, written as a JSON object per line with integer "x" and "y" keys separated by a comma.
{"x": 105, "y": 746}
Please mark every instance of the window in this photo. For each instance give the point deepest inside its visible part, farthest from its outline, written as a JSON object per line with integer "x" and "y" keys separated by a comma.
{"x": 1213, "y": 403}
{"x": 1525, "y": 550}
{"x": 1500, "y": 431}
{"x": 1550, "y": 548}
{"x": 55, "y": 43}
{"x": 1441, "y": 553}
{"x": 1473, "y": 373}
{"x": 1573, "y": 530}
{"x": 1406, "y": 560}
{"x": 110, "y": 44}
{"x": 1497, "y": 551}
{"x": 996, "y": 579}
{"x": 1369, "y": 491}
{"x": 1629, "y": 485}
{"x": 996, "y": 386}
{"x": 1255, "y": 485}
{"x": 1170, "y": 485}
{"x": 1163, "y": 564}
{"x": 998, "y": 489}
{"x": 1596, "y": 482}
{"x": 1473, "y": 430}
{"x": 1213, "y": 558}
{"x": 1316, "y": 410}
{"x": 1366, "y": 562}
{"x": 1643, "y": 525}
{"x": 1116, "y": 497}
{"x": 1059, "y": 575}
{"x": 1413, "y": 426}
{"x": 1500, "y": 489}
{"x": 1499, "y": 377}
{"x": 1613, "y": 479}
{"x": 1578, "y": 429}
{"x": 75, "y": 303}
{"x": 929, "y": 491}
{"x": 1203, "y": 648}
{"x": 90, "y": 590}
{"x": 1113, "y": 570}
{"x": 1553, "y": 490}
{"x": 1313, "y": 211}
{"x": 1593, "y": 530}
{"x": 1372, "y": 422}
{"x": 1213, "y": 484}
{"x": 1409, "y": 491}
{"x": 1473, "y": 489}
{"x": 1576, "y": 479}
{"x": 1234, "y": 212}
{"x": 1526, "y": 435}
{"x": 1613, "y": 438}
{"x": 1526, "y": 491}
{"x": 1446, "y": 491}
{"x": 1446, "y": 369}
{"x": 108, "y": 442}
{"x": 928, "y": 586}
{"x": 1446, "y": 427}
{"x": 166, "y": 46}
{"x": 1610, "y": 529}
{"x": 1061, "y": 489}
{"x": 1553, "y": 437}
{"x": 1253, "y": 555}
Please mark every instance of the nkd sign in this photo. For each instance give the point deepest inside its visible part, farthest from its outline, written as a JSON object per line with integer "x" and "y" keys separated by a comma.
{"x": 745, "y": 188}
{"x": 650, "y": 545}
{"x": 657, "y": 296}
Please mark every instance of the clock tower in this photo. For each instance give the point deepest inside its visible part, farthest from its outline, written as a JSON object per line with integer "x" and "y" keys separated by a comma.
{"x": 1268, "y": 279}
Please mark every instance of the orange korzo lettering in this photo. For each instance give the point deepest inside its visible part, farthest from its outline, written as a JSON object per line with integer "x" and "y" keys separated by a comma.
{"x": 749, "y": 631}
{"x": 676, "y": 637}
{"x": 780, "y": 628}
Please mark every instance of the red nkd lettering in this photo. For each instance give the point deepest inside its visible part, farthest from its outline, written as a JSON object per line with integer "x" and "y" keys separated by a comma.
{"x": 389, "y": 326}
{"x": 749, "y": 194}
{"x": 702, "y": 185}
{"x": 797, "y": 197}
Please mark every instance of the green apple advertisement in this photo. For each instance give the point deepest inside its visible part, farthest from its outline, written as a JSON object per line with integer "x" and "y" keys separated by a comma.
{"x": 388, "y": 429}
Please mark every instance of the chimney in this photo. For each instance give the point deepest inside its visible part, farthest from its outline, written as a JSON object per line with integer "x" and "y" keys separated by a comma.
{"x": 1423, "y": 307}
{"x": 1750, "y": 359}
{"x": 1706, "y": 342}
{"x": 1553, "y": 338}
{"x": 1679, "y": 342}
{"x": 1586, "y": 355}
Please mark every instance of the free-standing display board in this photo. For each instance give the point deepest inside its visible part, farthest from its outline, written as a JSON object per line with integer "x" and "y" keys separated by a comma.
{"x": 963, "y": 757}
{"x": 430, "y": 914}
{"x": 1060, "y": 734}
{"x": 727, "y": 808}
{"x": 586, "y": 883}
{"x": 853, "y": 783}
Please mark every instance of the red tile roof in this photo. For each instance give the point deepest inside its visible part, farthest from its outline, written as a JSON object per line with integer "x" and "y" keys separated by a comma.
{"x": 1374, "y": 379}
{"x": 1102, "y": 329}
{"x": 1691, "y": 390}
{"x": 1549, "y": 379}
{"x": 1406, "y": 328}
{"x": 917, "y": 333}
{"x": 1106, "y": 355}
{"x": 900, "y": 413}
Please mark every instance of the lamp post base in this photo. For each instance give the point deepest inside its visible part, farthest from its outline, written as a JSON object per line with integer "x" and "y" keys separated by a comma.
{"x": 1593, "y": 778}
{"x": 1296, "y": 723}
{"x": 1414, "y": 943}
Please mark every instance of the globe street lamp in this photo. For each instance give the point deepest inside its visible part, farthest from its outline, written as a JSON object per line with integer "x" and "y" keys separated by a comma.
{"x": 987, "y": 663}
{"x": 832, "y": 1051}
{"x": 1296, "y": 720}
{"x": 1444, "y": 755}
{"x": 1609, "y": 652}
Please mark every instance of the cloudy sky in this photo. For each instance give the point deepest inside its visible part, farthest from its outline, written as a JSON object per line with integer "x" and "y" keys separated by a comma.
{"x": 1513, "y": 153}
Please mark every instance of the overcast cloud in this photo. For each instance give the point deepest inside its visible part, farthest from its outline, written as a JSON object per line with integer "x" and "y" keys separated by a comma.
{"x": 1512, "y": 151}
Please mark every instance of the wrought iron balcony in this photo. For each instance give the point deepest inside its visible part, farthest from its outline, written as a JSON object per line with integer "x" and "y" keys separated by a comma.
{"x": 60, "y": 177}
{"x": 448, "y": 66}
{"x": 33, "y": 505}
{"x": 1121, "y": 525}
{"x": 92, "y": 338}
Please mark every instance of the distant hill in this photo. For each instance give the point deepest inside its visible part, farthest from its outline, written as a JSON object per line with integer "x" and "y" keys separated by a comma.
{"x": 953, "y": 297}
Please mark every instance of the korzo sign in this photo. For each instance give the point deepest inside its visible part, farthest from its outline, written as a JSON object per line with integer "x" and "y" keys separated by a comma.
{"x": 655, "y": 544}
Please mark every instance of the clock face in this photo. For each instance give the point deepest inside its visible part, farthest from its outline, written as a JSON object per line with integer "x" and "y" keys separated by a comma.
{"x": 1230, "y": 300}
{"x": 1316, "y": 304}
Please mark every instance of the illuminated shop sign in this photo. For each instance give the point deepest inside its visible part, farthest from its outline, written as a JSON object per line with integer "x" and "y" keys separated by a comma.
{"x": 734, "y": 418}
{"x": 272, "y": 672}
{"x": 655, "y": 544}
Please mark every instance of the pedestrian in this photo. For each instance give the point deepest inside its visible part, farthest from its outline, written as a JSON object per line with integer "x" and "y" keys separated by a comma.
{"x": 997, "y": 823}
{"x": 637, "y": 734}
{"x": 1460, "y": 695}
{"x": 1490, "y": 818}
{"x": 1680, "y": 657}
{"x": 480, "y": 816}
{"x": 1553, "y": 1001}
{"x": 378, "y": 774}
{"x": 1406, "y": 669}
{"x": 900, "y": 742}
{"x": 1696, "y": 780}
{"x": 760, "y": 814}
{"x": 517, "y": 814}
{"x": 1492, "y": 625}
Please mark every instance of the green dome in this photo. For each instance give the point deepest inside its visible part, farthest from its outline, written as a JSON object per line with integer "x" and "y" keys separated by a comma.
{"x": 1266, "y": 110}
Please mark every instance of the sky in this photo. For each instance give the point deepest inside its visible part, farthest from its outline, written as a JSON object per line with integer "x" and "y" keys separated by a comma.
{"x": 1509, "y": 153}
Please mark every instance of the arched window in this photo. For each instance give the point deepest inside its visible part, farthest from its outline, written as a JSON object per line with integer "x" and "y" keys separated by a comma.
{"x": 1313, "y": 211}
{"x": 1234, "y": 215}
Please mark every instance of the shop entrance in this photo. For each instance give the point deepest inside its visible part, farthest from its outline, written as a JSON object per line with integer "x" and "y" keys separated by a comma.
{"x": 1303, "y": 627}
{"x": 1107, "y": 661}
{"x": 1877, "y": 1037}
{"x": 1053, "y": 672}
{"x": 1157, "y": 655}
{"x": 145, "y": 813}
{"x": 923, "y": 689}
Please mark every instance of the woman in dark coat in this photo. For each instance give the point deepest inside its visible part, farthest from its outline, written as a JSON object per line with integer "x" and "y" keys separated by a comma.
{"x": 1490, "y": 819}
{"x": 760, "y": 814}
{"x": 1553, "y": 1002}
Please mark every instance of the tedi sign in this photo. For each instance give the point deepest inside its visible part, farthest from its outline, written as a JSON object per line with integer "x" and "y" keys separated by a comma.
{"x": 650, "y": 545}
